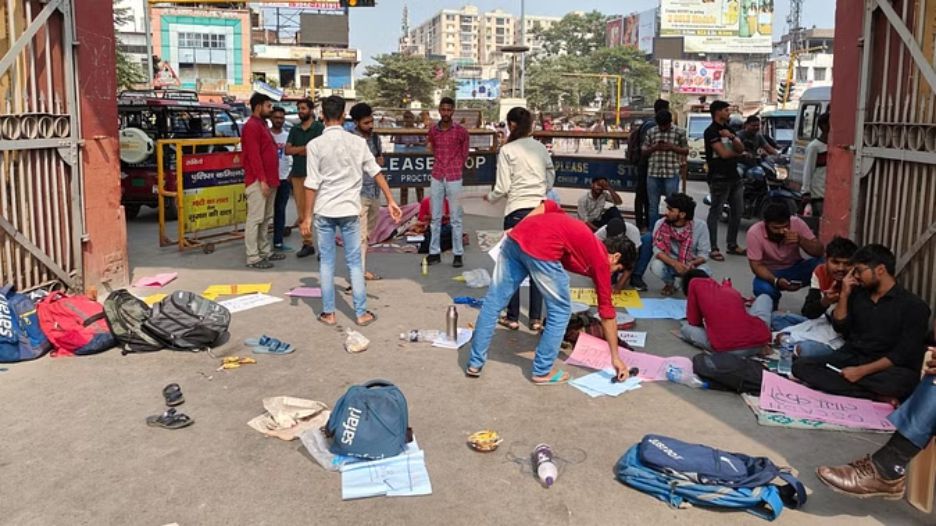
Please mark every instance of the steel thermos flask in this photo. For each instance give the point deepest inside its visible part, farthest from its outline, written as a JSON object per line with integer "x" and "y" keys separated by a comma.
{"x": 451, "y": 323}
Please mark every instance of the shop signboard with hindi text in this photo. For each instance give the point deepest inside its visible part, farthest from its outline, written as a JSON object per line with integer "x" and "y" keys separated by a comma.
{"x": 213, "y": 191}
{"x": 719, "y": 26}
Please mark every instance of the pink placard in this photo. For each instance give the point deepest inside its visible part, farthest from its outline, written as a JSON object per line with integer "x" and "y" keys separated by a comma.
{"x": 592, "y": 353}
{"x": 798, "y": 401}
{"x": 158, "y": 280}
{"x": 305, "y": 292}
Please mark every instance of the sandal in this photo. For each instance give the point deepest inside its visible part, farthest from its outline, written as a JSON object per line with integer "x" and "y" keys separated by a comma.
{"x": 276, "y": 256}
{"x": 170, "y": 420}
{"x": 373, "y": 318}
{"x": 173, "y": 395}
{"x": 262, "y": 264}
{"x": 504, "y": 322}
{"x": 370, "y": 276}
{"x": 715, "y": 255}
{"x": 737, "y": 251}
{"x": 560, "y": 377}
{"x": 323, "y": 318}
{"x": 536, "y": 325}
{"x": 274, "y": 346}
{"x": 668, "y": 290}
{"x": 473, "y": 372}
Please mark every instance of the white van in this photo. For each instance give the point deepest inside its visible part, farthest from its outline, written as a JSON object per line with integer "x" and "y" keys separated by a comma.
{"x": 696, "y": 123}
{"x": 813, "y": 103}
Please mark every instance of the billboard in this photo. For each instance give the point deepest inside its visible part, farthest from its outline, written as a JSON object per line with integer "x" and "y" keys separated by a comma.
{"x": 629, "y": 34}
{"x": 613, "y": 30}
{"x": 646, "y": 30}
{"x": 323, "y": 30}
{"x": 698, "y": 78}
{"x": 477, "y": 89}
{"x": 719, "y": 26}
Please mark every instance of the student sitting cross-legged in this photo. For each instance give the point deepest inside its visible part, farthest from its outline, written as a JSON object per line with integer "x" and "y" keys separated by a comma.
{"x": 680, "y": 242}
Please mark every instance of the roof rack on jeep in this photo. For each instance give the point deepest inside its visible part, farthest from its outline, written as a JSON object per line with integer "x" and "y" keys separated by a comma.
{"x": 174, "y": 94}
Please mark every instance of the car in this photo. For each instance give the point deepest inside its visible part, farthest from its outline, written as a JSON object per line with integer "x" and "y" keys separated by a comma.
{"x": 696, "y": 123}
{"x": 147, "y": 116}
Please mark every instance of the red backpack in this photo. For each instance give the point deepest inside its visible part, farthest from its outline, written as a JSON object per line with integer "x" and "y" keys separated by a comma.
{"x": 74, "y": 324}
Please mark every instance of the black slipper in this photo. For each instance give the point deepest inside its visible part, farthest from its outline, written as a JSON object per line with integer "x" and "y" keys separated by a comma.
{"x": 170, "y": 420}
{"x": 173, "y": 395}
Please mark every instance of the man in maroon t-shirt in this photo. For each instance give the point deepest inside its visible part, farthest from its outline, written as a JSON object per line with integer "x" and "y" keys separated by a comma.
{"x": 543, "y": 246}
{"x": 260, "y": 158}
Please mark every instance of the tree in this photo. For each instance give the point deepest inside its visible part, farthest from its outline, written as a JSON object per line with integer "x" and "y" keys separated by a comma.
{"x": 128, "y": 71}
{"x": 575, "y": 34}
{"x": 366, "y": 89}
{"x": 630, "y": 62}
{"x": 402, "y": 79}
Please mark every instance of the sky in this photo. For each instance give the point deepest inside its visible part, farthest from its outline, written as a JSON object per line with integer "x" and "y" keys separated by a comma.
{"x": 377, "y": 30}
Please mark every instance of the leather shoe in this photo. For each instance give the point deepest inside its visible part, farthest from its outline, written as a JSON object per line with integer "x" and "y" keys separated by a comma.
{"x": 306, "y": 250}
{"x": 861, "y": 479}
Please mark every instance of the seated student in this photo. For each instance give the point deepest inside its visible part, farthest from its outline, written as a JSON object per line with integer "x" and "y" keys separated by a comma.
{"x": 884, "y": 327}
{"x": 813, "y": 331}
{"x": 591, "y": 206}
{"x": 773, "y": 250}
{"x": 543, "y": 246}
{"x": 631, "y": 237}
{"x": 680, "y": 242}
{"x": 717, "y": 320}
{"x": 884, "y": 472}
{"x": 423, "y": 219}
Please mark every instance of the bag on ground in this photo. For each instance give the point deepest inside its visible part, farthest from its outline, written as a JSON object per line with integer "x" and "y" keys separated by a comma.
{"x": 727, "y": 372}
{"x": 683, "y": 474}
{"x": 370, "y": 421}
{"x": 185, "y": 321}
{"x": 125, "y": 315}
{"x": 75, "y": 325}
{"x": 21, "y": 338}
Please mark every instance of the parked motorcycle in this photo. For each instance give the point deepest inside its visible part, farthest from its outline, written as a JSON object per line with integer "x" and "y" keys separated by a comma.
{"x": 764, "y": 181}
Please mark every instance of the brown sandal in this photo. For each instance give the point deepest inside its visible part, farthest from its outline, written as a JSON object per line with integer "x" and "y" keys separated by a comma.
{"x": 323, "y": 318}
{"x": 715, "y": 255}
{"x": 512, "y": 325}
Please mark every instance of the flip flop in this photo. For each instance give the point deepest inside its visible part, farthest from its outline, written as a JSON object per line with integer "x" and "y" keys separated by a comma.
{"x": 170, "y": 420}
{"x": 321, "y": 319}
{"x": 262, "y": 341}
{"x": 262, "y": 264}
{"x": 368, "y": 322}
{"x": 373, "y": 277}
{"x": 716, "y": 256}
{"x": 737, "y": 251}
{"x": 536, "y": 326}
{"x": 473, "y": 372}
{"x": 512, "y": 325}
{"x": 173, "y": 395}
{"x": 279, "y": 348}
{"x": 560, "y": 377}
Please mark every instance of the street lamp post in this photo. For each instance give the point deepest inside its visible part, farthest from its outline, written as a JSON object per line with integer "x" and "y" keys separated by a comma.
{"x": 523, "y": 43}
{"x": 514, "y": 50}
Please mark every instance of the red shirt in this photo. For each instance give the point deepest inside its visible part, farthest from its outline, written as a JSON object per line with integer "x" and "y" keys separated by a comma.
{"x": 721, "y": 309}
{"x": 425, "y": 211}
{"x": 260, "y": 153}
{"x": 554, "y": 236}
{"x": 450, "y": 151}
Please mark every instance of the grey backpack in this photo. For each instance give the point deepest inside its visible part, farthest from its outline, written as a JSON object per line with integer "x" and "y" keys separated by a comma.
{"x": 185, "y": 321}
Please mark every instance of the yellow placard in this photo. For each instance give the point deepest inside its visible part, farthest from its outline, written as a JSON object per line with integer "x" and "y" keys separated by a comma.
{"x": 213, "y": 291}
{"x": 214, "y": 206}
{"x": 153, "y": 299}
{"x": 628, "y": 299}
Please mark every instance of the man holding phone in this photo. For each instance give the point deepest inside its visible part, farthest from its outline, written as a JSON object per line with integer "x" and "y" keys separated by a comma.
{"x": 666, "y": 147}
{"x": 774, "y": 252}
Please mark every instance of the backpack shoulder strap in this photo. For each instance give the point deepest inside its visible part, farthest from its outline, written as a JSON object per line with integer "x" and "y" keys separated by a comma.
{"x": 378, "y": 382}
{"x": 799, "y": 498}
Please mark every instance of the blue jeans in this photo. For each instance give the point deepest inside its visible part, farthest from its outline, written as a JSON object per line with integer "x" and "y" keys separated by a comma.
{"x": 644, "y": 255}
{"x": 802, "y": 271}
{"x": 667, "y": 274}
{"x": 658, "y": 187}
{"x": 513, "y": 266}
{"x": 279, "y": 211}
{"x": 915, "y": 419}
{"x": 804, "y": 348}
{"x": 350, "y": 228}
{"x": 536, "y": 299}
{"x": 439, "y": 191}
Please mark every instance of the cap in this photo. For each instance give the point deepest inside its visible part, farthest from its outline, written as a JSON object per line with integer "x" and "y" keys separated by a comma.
{"x": 615, "y": 227}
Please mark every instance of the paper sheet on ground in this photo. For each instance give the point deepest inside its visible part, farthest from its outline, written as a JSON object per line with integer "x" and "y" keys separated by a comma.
{"x": 628, "y": 299}
{"x": 634, "y": 339}
{"x": 592, "y": 353}
{"x": 495, "y": 254}
{"x": 464, "y": 336}
{"x": 248, "y": 301}
{"x": 404, "y": 475}
{"x": 213, "y": 291}
{"x": 153, "y": 299}
{"x": 305, "y": 292}
{"x": 600, "y": 384}
{"x": 798, "y": 401}
{"x": 159, "y": 280}
{"x": 771, "y": 419}
{"x": 660, "y": 309}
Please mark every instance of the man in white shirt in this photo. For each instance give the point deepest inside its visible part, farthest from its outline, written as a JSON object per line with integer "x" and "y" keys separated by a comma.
{"x": 277, "y": 119}
{"x": 814, "y": 169}
{"x": 337, "y": 163}
{"x": 591, "y": 206}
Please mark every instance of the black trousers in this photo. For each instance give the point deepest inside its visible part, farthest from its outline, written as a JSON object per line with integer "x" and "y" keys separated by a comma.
{"x": 896, "y": 382}
{"x": 606, "y": 216}
{"x": 641, "y": 200}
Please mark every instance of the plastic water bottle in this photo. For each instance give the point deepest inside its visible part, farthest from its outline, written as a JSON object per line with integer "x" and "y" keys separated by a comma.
{"x": 544, "y": 466}
{"x": 785, "y": 365}
{"x": 425, "y": 267}
{"x": 678, "y": 375}
{"x": 421, "y": 335}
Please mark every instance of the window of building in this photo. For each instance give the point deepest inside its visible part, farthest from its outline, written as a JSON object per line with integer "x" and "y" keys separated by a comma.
{"x": 819, "y": 74}
{"x": 202, "y": 40}
{"x": 450, "y": 18}
{"x": 802, "y": 74}
{"x": 500, "y": 31}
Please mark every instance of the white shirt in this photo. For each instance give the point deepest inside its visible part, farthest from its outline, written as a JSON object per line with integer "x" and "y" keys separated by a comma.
{"x": 337, "y": 162}
{"x": 285, "y": 161}
{"x": 630, "y": 231}
{"x": 814, "y": 177}
{"x": 590, "y": 208}
{"x": 525, "y": 173}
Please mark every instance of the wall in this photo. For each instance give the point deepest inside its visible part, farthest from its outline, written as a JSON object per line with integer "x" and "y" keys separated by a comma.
{"x": 744, "y": 80}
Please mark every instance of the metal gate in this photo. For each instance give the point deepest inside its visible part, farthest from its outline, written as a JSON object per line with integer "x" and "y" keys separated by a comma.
{"x": 894, "y": 193}
{"x": 41, "y": 212}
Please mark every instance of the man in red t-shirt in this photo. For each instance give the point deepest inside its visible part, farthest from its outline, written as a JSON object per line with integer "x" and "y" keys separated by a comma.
{"x": 543, "y": 246}
{"x": 716, "y": 319}
{"x": 260, "y": 157}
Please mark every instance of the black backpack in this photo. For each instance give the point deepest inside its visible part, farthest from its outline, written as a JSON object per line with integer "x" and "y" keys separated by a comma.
{"x": 126, "y": 314}
{"x": 727, "y": 372}
{"x": 185, "y": 321}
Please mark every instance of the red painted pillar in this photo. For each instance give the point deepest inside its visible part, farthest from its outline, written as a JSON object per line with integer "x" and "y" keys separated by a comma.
{"x": 105, "y": 250}
{"x": 849, "y": 19}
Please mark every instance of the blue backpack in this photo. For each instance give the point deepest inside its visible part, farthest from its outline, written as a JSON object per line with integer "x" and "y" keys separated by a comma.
{"x": 20, "y": 336}
{"x": 369, "y": 421}
{"x": 683, "y": 474}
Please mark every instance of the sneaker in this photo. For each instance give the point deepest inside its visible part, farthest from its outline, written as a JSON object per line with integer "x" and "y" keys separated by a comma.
{"x": 861, "y": 479}
{"x": 306, "y": 250}
{"x": 282, "y": 248}
{"x": 638, "y": 283}
{"x": 457, "y": 263}
{"x": 432, "y": 259}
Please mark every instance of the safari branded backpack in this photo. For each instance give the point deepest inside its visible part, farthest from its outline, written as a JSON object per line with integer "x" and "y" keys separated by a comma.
{"x": 369, "y": 421}
{"x": 683, "y": 474}
{"x": 125, "y": 315}
{"x": 185, "y": 321}
{"x": 21, "y": 338}
{"x": 75, "y": 325}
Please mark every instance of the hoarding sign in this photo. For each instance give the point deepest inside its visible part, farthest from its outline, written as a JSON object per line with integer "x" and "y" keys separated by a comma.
{"x": 719, "y": 26}
{"x": 646, "y": 30}
{"x": 477, "y": 89}
{"x": 699, "y": 78}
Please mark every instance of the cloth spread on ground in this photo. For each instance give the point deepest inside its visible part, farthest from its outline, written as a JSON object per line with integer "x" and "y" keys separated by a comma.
{"x": 287, "y": 417}
{"x": 386, "y": 226}
{"x": 660, "y": 309}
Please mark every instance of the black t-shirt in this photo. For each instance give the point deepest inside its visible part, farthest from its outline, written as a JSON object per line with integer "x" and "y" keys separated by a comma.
{"x": 719, "y": 169}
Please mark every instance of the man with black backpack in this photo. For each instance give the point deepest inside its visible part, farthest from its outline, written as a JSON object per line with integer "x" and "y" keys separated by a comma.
{"x": 634, "y": 155}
